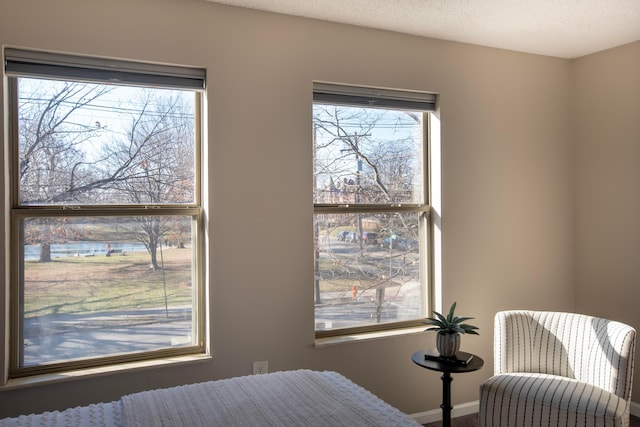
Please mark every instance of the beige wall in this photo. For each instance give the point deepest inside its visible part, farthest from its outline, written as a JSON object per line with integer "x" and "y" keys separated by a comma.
{"x": 607, "y": 195}
{"x": 507, "y": 173}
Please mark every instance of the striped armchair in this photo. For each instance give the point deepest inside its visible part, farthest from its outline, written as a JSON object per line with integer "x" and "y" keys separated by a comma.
{"x": 558, "y": 369}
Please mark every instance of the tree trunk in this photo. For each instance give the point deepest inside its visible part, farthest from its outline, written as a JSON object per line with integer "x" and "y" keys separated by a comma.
{"x": 153, "y": 250}
{"x": 45, "y": 252}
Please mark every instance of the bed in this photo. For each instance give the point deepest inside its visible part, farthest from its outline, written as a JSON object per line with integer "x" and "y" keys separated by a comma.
{"x": 288, "y": 398}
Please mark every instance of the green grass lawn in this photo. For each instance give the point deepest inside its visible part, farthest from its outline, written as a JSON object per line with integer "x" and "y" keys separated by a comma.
{"x": 77, "y": 285}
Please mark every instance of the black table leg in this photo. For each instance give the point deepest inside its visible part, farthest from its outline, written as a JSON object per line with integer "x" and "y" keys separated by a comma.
{"x": 447, "y": 368}
{"x": 446, "y": 399}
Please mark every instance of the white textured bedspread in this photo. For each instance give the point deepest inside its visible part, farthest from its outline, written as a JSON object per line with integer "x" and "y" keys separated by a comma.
{"x": 289, "y": 398}
{"x": 99, "y": 414}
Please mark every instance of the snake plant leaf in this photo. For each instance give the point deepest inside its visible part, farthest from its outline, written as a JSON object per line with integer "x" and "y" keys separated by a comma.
{"x": 443, "y": 319}
{"x": 451, "y": 310}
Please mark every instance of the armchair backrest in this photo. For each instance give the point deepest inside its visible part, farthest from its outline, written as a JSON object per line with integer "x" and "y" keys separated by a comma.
{"x": 589, "y": 349}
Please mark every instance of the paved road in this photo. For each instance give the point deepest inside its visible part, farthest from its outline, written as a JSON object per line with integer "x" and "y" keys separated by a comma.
{"x": 58, "y": 337}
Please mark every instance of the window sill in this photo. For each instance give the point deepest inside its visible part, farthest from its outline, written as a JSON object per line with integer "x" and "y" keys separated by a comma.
{"x": 36, "y": 380}
{"x": 342, "y": 339}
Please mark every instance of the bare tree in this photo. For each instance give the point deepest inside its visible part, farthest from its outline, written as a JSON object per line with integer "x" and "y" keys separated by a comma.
{"x": 384, "y": 171}
{"x": 50, "y": 158}
{"x": 157, "y": 159}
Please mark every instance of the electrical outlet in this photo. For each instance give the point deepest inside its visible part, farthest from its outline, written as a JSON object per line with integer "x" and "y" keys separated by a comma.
{"x": 261, "y": 367}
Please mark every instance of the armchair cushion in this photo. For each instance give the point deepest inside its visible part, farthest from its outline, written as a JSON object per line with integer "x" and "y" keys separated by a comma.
{"x": 520, "y": 399}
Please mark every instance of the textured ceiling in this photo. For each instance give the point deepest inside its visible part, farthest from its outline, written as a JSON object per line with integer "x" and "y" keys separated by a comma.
{"x": 562, "y": 28}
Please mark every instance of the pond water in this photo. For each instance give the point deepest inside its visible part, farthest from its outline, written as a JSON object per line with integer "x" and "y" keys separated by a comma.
{"x": 61, "y": 250}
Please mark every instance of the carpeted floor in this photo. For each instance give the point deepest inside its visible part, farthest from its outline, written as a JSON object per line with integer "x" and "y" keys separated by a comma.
{"x": 472, "y": 421}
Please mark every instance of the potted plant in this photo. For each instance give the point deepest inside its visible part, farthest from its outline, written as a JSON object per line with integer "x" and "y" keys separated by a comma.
{"x": 449, "y": 329}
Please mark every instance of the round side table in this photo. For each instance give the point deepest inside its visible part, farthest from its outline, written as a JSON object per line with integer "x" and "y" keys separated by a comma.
{"x": 425, "y": 359}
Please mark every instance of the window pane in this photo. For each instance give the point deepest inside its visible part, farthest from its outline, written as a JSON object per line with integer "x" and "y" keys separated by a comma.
{"x": 102, "y": 286}
{"x": 368, "y": 269}
{"x": 97, "y": 144}
{"x": 367, "y": 155}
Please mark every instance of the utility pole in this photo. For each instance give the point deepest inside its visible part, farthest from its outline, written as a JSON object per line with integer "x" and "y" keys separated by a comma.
{"x": 354, "y": 145}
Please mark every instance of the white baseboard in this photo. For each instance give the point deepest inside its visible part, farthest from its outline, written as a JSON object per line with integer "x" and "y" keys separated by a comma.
{"x": 457, "y": 411}
{"x": 473, "y": 407}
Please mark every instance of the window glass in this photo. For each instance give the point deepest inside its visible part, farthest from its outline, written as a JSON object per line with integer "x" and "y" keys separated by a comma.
{"x": 367, "y": 155}
{"x": 368, "y": 277}
{"x": 93, "y": 144}
{"x": 92, "y": 288}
